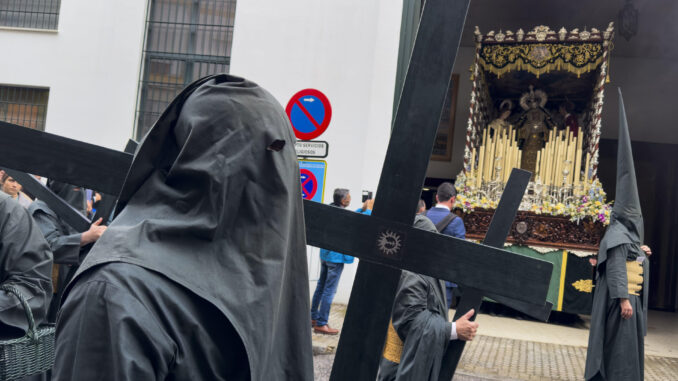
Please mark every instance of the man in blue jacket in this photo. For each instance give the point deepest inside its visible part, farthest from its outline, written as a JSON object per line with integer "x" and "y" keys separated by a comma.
{"x": 332, "y": 264}
{"x": 447, "y": 222}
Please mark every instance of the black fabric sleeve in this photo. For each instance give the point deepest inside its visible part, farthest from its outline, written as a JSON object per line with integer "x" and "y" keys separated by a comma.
{"x": 26, "y": 263}
{"x": 412, "y": 301}
{"x": 66, "y": 248}
{"x": 104, "y": 333}
{"x": 615, "y": 271}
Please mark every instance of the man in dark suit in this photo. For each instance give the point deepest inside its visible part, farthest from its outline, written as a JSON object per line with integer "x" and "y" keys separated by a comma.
{"x": 447, "y": 223}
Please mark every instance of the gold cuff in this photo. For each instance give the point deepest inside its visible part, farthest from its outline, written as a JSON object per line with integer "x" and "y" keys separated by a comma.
{"x": 634, "y": 274}
{"x": 393, "y": 349}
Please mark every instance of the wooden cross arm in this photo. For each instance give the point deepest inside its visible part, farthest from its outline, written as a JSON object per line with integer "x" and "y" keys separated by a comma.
{"x": 495, "y": 271}
{"x": 75, "y": 162}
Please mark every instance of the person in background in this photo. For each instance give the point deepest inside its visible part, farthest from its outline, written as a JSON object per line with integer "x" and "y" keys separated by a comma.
{"x": 620, "y": 301}
{"x": 420, "y": 331}
{"x": 331, "y": 267}
{"x": 67, "y": 244}
{"x": 421, "y": 207}
{"x": 448, "y": 223}
{"x": 13, "y": 189}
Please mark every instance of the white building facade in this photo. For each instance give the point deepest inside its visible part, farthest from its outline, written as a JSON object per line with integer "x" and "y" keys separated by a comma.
{"x": 89, "y": 64}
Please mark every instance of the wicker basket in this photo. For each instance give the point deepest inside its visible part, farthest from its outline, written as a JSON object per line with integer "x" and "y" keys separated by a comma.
{"x": 31, "y": 354}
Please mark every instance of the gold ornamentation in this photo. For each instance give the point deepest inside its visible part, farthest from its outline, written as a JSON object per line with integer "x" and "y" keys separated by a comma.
{"x": 583, "y": 285}
{"x": 393, "y": 349}
{"x": 577, "y": 58}
{"x": 634, "y": 275}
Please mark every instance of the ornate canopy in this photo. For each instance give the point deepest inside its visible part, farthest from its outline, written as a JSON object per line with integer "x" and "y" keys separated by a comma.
{"x": 543, "y": 50}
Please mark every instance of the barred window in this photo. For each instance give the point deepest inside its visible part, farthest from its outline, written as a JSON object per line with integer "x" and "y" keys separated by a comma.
{"x": 33, "y": 14}
{"x": 185, "y": 40}
{"x": 25, "y": 106}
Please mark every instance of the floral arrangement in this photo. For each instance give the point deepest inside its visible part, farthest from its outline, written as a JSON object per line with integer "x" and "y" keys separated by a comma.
{"x": 592, "y": 203}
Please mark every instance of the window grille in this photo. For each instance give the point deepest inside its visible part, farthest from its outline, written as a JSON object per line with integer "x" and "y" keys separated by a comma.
{"x": 185, "y": 40}
{"x": 25, "y": 106}
{"x": 32, "y": 14}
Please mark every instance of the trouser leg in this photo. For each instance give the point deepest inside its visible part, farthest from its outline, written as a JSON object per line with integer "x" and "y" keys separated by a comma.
{"x": 333, "y": 274}
{"x": 319, "y": 288}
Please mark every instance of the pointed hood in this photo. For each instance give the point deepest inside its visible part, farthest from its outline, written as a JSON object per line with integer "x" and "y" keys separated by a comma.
{"x": 626, "y": 222}
{"x": 213, "y": 202}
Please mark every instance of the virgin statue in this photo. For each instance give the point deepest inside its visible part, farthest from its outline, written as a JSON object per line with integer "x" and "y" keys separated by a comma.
{"x": 533, "y": 131}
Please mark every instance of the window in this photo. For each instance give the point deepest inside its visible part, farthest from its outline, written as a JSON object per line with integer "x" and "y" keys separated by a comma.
{"x": 185, "y": 40}
{"x": 32, "y": 14}
{"x": 25, "y": 106}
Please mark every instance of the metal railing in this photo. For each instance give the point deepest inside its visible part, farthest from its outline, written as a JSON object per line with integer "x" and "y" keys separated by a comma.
{"x": 31, "y": 14}
{"x": 25, "y": 106}
{"x": 185, "y": 40}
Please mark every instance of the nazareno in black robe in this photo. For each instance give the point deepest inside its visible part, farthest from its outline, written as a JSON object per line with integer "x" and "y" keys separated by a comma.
{"x": 25, "y": 262}
{"x": 203, "y": 274}
{"x": 615, "y": 350}
{"x": 63, "y": 240}
{"x": 420, "y": 319}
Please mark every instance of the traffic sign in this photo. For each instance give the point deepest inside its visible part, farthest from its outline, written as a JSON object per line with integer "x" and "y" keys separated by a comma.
{"x": 310, "y": 112}
{"x": 314, "y": 148}
{"x": 312, "y": 175}
{"x": 309, "y": 184}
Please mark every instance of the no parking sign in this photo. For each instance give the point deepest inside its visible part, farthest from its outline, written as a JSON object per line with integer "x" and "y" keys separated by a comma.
{"x": 310, "y": 113}
{"x": 312, "y": 176}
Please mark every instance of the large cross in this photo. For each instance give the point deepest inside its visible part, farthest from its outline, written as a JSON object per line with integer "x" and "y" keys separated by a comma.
{"x": 385, "y": 242}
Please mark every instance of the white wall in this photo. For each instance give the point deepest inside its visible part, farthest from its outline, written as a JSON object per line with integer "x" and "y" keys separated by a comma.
{"x": 90, "y": 65}
{"x": 346, "y": 49}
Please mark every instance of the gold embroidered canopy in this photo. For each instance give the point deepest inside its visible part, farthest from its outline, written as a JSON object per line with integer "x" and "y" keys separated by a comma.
{"x": 543, "y": 50}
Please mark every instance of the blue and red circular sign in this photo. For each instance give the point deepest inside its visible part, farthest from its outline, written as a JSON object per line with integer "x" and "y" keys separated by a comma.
{"x": 310, "y": 112}
{"x": 309, "y": 184}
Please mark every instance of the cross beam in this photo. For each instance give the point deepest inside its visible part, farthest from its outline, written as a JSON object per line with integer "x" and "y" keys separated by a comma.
{"x": 414, "y": 128}
{"x": 469, "y": 264}
{"x": 63, "y": 159}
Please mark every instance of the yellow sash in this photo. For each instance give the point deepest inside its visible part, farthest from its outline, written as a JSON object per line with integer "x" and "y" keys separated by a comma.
{"x": 393, "y": 349}
{"x": 634, "y": 274}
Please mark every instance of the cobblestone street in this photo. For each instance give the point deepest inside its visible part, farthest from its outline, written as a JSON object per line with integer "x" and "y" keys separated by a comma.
{"x": 502, "y": 358}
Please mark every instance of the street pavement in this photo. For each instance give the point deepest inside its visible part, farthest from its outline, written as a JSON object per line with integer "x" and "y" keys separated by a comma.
{"x": 511, "y": 349}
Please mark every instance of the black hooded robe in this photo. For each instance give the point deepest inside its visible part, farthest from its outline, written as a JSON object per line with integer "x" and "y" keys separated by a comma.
{"x": 615, "y": 350}
{"x": 616, "y": 344}
{"x": 25, "y": 262}
{"x": 64, "y": 242}
{"x": 203, "y": 274}
{"x": 420, "y": 320}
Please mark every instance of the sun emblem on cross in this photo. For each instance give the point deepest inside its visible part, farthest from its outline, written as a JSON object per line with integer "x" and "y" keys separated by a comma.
{"x": 389, "y": 242}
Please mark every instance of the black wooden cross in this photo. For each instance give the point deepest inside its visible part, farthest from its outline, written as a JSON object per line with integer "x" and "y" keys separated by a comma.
{"x": 385, "y": 242}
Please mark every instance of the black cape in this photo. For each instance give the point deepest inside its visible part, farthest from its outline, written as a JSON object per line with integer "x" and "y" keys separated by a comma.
{"x": 420, "y": 319}
{"x": 25, "y": 262}
{"x": 615, "y": 350}
{"x": 213, "y": 203}
{"x": 63, "y": 240}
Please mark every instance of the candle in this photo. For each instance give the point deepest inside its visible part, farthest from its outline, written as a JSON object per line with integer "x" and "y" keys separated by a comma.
{"x": 586, "y": 170}
{"x": 479, "y": 171}
{"x": 473, "y": 160}
{"x": 578, "y": 154}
